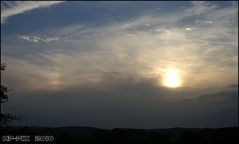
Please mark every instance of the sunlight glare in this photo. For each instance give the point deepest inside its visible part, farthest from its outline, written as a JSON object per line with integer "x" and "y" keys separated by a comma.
{"x": 172, "y": 78}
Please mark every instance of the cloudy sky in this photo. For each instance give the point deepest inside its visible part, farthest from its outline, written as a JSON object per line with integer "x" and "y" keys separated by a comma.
{"x": 121, "y": 64}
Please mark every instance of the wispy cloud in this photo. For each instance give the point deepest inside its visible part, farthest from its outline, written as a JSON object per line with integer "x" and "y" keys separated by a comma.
{"x": 36, "y": 39}
{"x": 11, "y": 8}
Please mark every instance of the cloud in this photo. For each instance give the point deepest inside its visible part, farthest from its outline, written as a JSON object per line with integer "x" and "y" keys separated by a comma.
{"x": 36, "y": 39}
{"x": 51, "y": 39}
{"x": 11, "y": 8}
{"x": 31, "y": 39}
{"x": 188, "y": 29}
{"x": 201, "y": 7}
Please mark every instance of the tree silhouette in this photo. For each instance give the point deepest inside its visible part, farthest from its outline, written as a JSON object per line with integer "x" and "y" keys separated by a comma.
{"x": 5, "y": 117}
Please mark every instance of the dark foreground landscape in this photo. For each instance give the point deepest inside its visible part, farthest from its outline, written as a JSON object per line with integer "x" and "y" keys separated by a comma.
{"x": 91, "y": 135}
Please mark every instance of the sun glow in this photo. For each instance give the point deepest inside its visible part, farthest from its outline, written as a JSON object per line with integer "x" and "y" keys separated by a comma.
{"x": 172, "y": 78}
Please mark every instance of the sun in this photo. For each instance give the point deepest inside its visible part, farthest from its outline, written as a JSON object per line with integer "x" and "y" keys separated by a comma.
{"x": 172, "y": 78}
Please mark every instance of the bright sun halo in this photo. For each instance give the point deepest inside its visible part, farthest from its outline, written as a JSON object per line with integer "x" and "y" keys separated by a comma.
{"x": 172, "y": 78}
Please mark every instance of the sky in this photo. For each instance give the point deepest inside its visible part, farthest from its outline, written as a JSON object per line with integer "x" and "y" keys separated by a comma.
{"x": 114, "y": 64}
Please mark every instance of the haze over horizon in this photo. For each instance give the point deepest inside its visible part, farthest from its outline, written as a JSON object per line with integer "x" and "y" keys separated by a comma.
{"x": 121, "y": 64}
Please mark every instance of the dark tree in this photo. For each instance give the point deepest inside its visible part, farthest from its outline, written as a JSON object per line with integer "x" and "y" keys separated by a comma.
{"x": 5, "y": 117}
